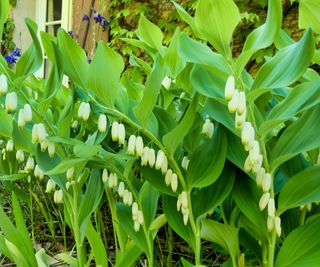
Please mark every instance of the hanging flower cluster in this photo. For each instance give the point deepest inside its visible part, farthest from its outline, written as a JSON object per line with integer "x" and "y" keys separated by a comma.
{"x": 98, "y": 19}
{"x": 182, "y": 205}
{"x": 13, "y": 58}
{"x": 237, "y": 104}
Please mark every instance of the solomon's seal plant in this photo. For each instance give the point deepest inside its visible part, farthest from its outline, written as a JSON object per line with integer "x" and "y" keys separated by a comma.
{"x": 187, "y": 138}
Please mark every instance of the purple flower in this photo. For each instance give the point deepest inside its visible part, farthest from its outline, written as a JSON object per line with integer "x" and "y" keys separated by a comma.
{"x": 85, "y": 17}
{"x": 16, "y": 52}
{"x": 101, "y": 20}
{"x": 12, "y": 59}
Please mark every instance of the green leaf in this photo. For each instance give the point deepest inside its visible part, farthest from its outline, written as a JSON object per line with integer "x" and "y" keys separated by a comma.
{"x": 236, "y": 153}
{"x": 149, "y": 197}
{"x": 31, "y": 59}
{"x": 153, "y": 84}
{"x": 309, "y": 11}
{"x": 63, "y": 166}
{"x": 13, "y": 177}
{"x": 224, "y": 235}
{"x": 97, "y": 246}
{"x": 175, "y": 220}
{"x": 216, "y": 21}
{"x": 129, "y": 255}
{"x": 186, "y": 17}
{"x": 301, "y": 189}
{"x": 195, "y": 52}
{"x": 105, "y": 62}
{"x": 218, "y": 191}
{"x": 149, "y": 33}
{"x": 174, "y": 138}
{"x": 125, "y": 217}
{"x": 91, "y": 198}
{"x": 288, "y": 65}
{"x": 206, "y": 163}
{"x": 75, "y": 59}
{"x": 22, "y": 139}
{"x": 4, "y": 13}
{"x": 262, "y": 36}
{"x": 6, "y": 124}
{"x": 302, "y": 135}
{"x": 47, "y": 41}
{"x": 301, "y": 247}
{"x": 17, "y": 255}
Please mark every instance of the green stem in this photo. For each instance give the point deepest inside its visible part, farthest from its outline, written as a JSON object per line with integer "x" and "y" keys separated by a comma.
{"x": 303, "y": 216}
{"x": 76, "y": 228}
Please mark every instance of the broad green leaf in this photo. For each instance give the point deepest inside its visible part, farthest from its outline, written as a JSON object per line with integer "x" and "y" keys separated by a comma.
{"x": 18, "y": 255}
{"x": 31, "y": 59}
{"x": 224, "y": 235}
{"x": 247, "y": 196}
{"x": 105, "y": 62}
{"x": 97, "y": 246}
{"x": 149, "y": 33}
{"x": 186, "y": 17}
{"x": 85, "y": 151}
{"x": 153, "y": 84}
{"x": 175, "y": 220}
{"x": 207, "y": 81}
{"x": 67, "y": 258}
{"x": 218, "y": 191}
{"x": 4, "y": 13}
{"x": 264, "y": 35}
{"x": 13, "y": 177}
{"x": 301, "y": 247}
{"x": 172, "y": 59}
{"x": 195, "y": 52}
{"x": 206, "y": 163}
{"x": 309, "y": 11}
{"x": 22, "y": 139}
{"x": 91, "y": 199}
{"x": 288, "y": 65}
{"x": 301, "y": 189}
{"x": 47, "y": 41}
{"x": 174, "y": 138}
{"x": 129, "y": 255}
{"x": 185, "y": 263}
{"x": 74, "y": 59}
{"x": 236, "y": 153}
{"x": 302, "y": 135}
{"x": 216, "y": 21}
{"x": 42, "y": 258}
{"x": 6, "y": 124}
{"x": 125, "y": 218}
{"x": 63, "y": 166}
{"x": 149, "y": 201}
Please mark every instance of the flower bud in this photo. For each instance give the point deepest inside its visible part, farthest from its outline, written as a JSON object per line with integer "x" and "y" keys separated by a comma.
{"x": 139, "y": 146}
{"x": 86, "y": 111}
{"x": 11, "y": 102}
{"x": 121, "y": 189}
{"x": 151, "y": 157}
{"x": 3, "y": 84}
{"x": 27, "y": 113}
{"x": 164, "y": 165}
{"x": 257, "y": 166}
{"x": 102, "y": 123}
{"x": 166, "y": 82}
{"x": 233, "y": 103}
{"x": 35, "y": 133}
{"x": 21, "y": 119}
{"x": 270, "y": 223}
{"x": 9, "y": 146}
{"x": 174, "y": 182}
{"x": 115, "y": 131}
{"x": 74, "y": 124}
{"x": 240, "y": 120}
{"x": 266, "y": 182}
{"x": 58, "y": 196}
{"x": 160, "y": 159}
{"x": 186, "y": 217}
{"x": 104, "y": 176}
{"x": 247, "y": 165}
{"x": 184, "y": 199}
{"x": 70, "y": 173}
{"x": 125, "y": 196}
{"x": 271, "y": 208}
{"x": 68, "y": 185}
{"x": 121, "y": 134}
{"x": 51, "y": 149}
{"x": 30, "y": 164}
{"x": 168, "y": 177}
{"x": 140, "y": 218}
{"x": 229, "y": 88}
{"x": 254, "y": 153}
{"x": 136, "y": 226}
{"x": 144, "y": 158}
{"x": 179, "y": 203}
{"x": 135, "y": 210}
{"x": 129, "y": 199}
{"x": 42, "y": 133}
{"x": 264, "y": 200}
{"x": 208, "y": 129}
{"x": 185, "y": 162}
{"x": 51, "y": 186}
{"x": 260, "y": 175}
{"x": 38, "y": 173}
{"x": 309, "y": 207}
{"x": 131, "y": 144}
{"x": 20, "y": 156}
{"x": 277, "y": 225}
{"x": 247, "y": 133}
{"x": 113, "y": 180}
{"x": 241, "y": 108}
{"x": 43, "y": 145}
